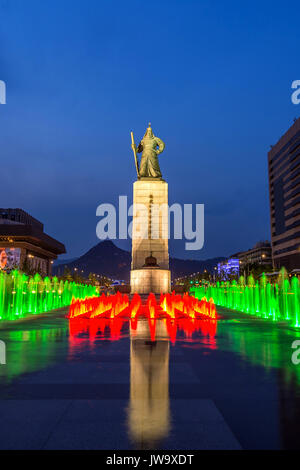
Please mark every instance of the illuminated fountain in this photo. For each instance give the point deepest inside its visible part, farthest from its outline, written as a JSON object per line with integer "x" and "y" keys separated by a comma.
{"x": 276, "y": 301}
{"x": 178, "y": 313}
{"x": 170, "y": 306}
{"x": 21, "y": 295}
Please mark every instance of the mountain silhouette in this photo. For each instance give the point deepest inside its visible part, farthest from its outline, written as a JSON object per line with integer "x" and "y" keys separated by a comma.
{"x": 107, "y": 259}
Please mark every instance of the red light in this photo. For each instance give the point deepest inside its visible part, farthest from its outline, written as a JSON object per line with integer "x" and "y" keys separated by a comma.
{"x": 109, "y": 313}
{"x": 170, "y": 306}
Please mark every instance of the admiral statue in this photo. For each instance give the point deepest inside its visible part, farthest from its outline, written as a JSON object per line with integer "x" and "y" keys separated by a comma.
{"x": 150, "y": 147}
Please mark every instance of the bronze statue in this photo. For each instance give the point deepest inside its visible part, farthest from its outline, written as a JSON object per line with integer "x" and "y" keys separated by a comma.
{"x": 150, "y": 146}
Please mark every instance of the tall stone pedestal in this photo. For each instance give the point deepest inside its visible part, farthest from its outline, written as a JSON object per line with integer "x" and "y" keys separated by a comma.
{"x": 150, "y": 237}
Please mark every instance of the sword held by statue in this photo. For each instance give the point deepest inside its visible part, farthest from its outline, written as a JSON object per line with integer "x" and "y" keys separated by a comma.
{"x": 135, "y": 156}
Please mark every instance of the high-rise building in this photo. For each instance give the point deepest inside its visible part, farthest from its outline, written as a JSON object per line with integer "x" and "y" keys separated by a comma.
{"x": 284, "y": 187}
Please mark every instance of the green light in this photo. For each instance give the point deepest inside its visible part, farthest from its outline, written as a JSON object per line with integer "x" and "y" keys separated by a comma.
{"x": 279, "y": 301}
{"x": 21, "y": 295}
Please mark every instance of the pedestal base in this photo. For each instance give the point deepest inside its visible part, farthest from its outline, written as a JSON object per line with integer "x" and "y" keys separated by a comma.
{"x": 146, "y": 280}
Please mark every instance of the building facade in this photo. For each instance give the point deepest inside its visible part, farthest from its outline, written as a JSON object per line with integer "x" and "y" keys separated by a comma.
{"x": 24, "y": 244}
{"x": 261, "y": 254}
{"x": 284, "y": 188}
{"x": 239, "y": 263}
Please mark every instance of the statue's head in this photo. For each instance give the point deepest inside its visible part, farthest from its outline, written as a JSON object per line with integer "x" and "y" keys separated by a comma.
{"x": 149, "y": 133}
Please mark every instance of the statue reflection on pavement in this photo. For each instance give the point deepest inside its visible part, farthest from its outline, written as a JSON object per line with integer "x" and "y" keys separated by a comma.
{"x": 149, "y": 407}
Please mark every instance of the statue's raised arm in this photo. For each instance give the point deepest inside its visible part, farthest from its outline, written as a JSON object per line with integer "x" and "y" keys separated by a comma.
{"x": 150, "y": 146}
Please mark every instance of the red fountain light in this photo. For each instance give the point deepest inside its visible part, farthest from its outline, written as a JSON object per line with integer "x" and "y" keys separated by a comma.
{"x": 110, "y": 313}
{"x": 109, "y": 329}
{"x": 170, "y": 306}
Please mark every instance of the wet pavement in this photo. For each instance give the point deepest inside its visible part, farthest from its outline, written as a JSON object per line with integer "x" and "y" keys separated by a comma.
{"x": 91, "y": 385}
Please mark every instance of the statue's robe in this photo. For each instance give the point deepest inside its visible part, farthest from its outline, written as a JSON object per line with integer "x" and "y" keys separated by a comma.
{"x": 149, "y": 166}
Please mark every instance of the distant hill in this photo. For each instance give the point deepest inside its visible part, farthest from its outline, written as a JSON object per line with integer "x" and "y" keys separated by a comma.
{"x": 107, "y": 259}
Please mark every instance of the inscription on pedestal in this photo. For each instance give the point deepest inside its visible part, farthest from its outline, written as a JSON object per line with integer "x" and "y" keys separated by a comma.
{"x": 152, "y": 195}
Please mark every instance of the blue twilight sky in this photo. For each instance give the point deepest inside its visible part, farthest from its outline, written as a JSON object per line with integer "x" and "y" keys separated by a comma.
{"x": 214, "y": 79}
